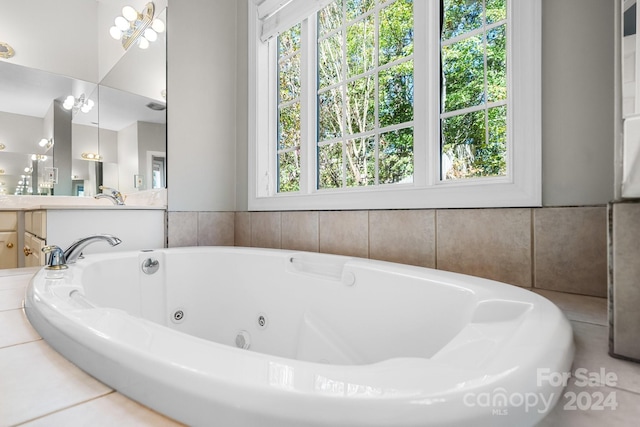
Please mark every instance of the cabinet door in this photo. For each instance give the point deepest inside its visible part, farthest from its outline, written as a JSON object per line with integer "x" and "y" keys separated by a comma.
{"x": 8, "y": 249}
{"x": 38, "y": 257}
{"x": 33, "y": 256}
{"x": 8, "y": 221}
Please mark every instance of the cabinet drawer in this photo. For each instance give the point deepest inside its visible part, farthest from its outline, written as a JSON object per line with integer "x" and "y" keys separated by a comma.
{"x": 38, "y": 224}
{"x": 33, "y": 255}
{"x": 8, "y": 221}
{"x": 8, "y": 249}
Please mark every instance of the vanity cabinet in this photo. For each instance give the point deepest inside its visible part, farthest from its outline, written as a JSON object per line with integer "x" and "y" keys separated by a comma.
{"x": 35, "y": 238}
{"x": 8, "y": 239}
{"x": 138, "y": 228}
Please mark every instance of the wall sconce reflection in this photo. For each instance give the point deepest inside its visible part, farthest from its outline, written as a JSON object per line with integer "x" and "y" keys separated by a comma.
{"x": 78, "y": 104}
{"x": 134, "y": 27}
{"x": 46, "y": 143}
{"x": 6, "y": 51}
{"x": 39, "y": 157}
{"x": 91, "y": 156}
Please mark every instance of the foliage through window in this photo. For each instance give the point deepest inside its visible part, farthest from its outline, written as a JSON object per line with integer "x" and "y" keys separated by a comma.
{"x": 474, "y": 89}
{"x": 364, "y": 92}
{"x": 377, "y": 104}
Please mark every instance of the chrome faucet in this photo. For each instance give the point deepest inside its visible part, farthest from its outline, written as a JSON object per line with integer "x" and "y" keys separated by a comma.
{"x": 57, "y": 260}
{"x": 73, "y": 252}
{"x": 112, "y": 194}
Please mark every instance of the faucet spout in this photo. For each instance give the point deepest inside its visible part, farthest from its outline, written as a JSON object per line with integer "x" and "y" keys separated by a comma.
{"x": 112, "y": 194}
{"x": 73, "y": 252}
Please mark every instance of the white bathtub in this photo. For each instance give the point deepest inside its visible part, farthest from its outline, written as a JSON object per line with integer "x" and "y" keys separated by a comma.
{"x": 332, "y": 341}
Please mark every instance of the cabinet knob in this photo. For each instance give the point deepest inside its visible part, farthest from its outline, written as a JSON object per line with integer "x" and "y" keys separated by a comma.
{"x": 10, "y": 245}
{"x": 27, "y": 251}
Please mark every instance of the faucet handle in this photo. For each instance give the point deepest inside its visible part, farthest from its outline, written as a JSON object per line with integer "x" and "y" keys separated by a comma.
{"x": 56, "y": 258}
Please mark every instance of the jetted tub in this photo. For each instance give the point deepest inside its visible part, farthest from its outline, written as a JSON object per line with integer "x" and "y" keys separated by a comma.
{"x": 257, "y": 337}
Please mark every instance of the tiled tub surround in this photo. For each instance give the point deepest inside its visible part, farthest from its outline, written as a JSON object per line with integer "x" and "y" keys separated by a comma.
{"x": 624, "y": 295}
{"x": 562, "y": 249}
{"x": 40, "y": 388}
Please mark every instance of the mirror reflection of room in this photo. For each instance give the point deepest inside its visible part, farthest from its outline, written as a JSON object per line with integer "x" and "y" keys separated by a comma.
{"x": 77, "y": 116}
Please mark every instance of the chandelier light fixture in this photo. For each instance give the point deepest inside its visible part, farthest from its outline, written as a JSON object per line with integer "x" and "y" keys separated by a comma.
{"x": 137, "y": 27}
{"x": 78, "y": 104}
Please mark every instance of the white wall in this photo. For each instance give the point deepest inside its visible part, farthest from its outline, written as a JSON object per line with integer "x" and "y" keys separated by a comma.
{"x": 52, "y": 38}
{"x": 578, "y": 39}
{"x": 242, "y": 107}
{"x": 201, "y": 97}
{"x": 207, "y": 120}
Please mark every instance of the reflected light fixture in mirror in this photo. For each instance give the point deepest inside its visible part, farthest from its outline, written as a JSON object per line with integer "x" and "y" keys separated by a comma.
{"x": 78, "y": 104}
{"x": 46, "y": 143}
{"x": 91, "y": 156}
{"x": 133, "y": 27}
{"x": 6, "y": 51}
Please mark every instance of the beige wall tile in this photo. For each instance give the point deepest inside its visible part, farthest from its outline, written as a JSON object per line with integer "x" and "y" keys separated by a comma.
{"x": 404, "y": 236}
{"x": 265, "y": 229}
{"x": 490, "y": 243}
{"x": 242, "y": 229}
{"x": 344, "y": 233}
{"x": 570, "y": 249}
{"x": 626, "y": 279}
{"x": 182, "y": 229}
{"x": 216, "y": 228}
{"x": 300, "y": 231}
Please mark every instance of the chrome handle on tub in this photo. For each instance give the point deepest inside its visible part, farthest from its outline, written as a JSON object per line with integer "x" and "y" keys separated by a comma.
{"x": 57, "y": 260}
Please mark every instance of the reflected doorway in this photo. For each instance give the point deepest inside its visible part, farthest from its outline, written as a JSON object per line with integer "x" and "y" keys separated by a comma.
{"x": 158, "y": 171}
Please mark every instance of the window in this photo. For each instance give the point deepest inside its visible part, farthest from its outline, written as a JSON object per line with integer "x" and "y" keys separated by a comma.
{"x": 398, "y": 104}
{"x": 474, "y": 89}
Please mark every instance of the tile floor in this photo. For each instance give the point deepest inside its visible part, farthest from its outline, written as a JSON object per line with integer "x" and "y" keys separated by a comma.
{"x": 38, "y": 387}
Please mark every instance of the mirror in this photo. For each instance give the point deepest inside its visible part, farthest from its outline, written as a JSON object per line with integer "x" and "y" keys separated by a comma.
{"x": 120, "y": 142}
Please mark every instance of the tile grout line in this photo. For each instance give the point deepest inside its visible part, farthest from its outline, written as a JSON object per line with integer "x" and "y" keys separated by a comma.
{"x": 111, "y": 391}
{"x": 21, "y": 343}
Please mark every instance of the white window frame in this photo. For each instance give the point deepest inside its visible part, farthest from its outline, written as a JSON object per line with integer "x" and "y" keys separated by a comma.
{"x": 522, "y": 185}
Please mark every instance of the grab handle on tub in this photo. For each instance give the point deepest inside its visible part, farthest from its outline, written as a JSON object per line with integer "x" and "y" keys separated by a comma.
{"x": 56, "y": 258}
{"x": 328, "y": 269}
